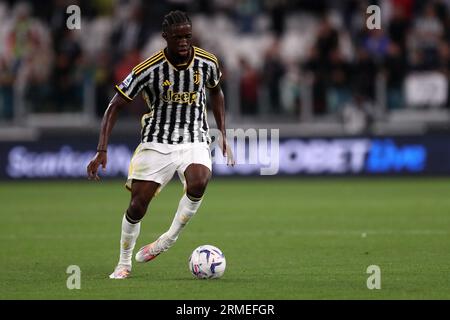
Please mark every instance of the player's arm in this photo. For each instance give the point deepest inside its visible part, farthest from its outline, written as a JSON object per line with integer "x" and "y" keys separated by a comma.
{"x": 108, "y": 122}
{"x": 218, "y": 107}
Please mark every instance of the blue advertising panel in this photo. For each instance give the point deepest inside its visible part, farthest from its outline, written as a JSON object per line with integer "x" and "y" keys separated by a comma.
{"x": 290, "y": 157}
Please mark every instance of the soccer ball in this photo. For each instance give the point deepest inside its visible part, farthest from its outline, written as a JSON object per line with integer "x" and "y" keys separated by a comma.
{"x": 207, "y": 262}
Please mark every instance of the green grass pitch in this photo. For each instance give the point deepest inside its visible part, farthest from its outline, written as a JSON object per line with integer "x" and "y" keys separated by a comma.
{"x": 283, "y": 239}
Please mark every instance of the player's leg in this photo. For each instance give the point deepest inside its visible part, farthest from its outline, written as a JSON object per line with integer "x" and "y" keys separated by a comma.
{"x": 141, "y": 194}
{"x": 197, "y": 177}
{"x": 195, "y": 170}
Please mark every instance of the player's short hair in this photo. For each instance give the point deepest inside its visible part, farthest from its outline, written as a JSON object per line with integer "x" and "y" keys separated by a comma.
{"x": 173, "y": 18}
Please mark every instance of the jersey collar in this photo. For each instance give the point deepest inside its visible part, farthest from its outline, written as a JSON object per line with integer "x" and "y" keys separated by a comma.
{"x": 183, "y": 66}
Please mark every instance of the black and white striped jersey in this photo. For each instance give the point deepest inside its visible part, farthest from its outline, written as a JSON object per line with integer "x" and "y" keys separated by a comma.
{"x": 176, "y": 96}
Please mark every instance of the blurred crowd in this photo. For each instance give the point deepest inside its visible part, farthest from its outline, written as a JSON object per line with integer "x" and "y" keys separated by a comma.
{"x": 276, "y": 55}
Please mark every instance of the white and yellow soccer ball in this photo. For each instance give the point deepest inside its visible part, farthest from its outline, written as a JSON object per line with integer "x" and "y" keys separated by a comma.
{"x": 207, "y": 262}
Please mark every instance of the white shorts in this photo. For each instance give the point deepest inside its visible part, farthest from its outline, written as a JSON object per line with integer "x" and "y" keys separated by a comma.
{"x": 158, "y": 162}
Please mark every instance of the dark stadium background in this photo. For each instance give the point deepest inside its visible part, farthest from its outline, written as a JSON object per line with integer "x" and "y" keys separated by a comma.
{"x": 311, "y": 69}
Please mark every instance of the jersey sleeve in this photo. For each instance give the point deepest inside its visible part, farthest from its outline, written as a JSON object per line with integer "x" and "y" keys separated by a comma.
{"x": 129, "y": 87}
{"x": 214, "y": 76}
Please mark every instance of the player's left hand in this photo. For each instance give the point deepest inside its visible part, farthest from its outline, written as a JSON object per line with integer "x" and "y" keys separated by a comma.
{"x": 226, "y": 151}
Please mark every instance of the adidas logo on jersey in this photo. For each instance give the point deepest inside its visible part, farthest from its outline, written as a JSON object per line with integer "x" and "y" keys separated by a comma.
{"x": 166, "y": 83}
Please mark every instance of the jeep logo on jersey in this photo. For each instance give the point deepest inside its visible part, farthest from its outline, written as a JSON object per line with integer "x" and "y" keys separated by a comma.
{"x": 180, "y": 97}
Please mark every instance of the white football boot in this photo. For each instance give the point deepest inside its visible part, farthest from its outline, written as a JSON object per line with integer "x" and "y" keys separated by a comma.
{"x": 152, "y": 250}
{"x": 121, "y": 272}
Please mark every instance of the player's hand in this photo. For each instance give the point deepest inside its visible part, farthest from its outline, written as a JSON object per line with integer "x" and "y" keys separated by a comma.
{"x": 226, "y": 151}
{"x": 92, "y": 168}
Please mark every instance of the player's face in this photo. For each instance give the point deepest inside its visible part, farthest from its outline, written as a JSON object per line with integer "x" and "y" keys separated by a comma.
{"x": 179, "y": 39}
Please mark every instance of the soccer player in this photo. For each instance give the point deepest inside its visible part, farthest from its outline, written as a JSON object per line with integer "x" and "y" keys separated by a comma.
{"x": 174, "y": 135}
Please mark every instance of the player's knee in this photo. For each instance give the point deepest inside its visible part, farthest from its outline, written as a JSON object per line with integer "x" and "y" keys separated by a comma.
{"x": 197, "y": 187}
{"x": 137, "y": 208}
